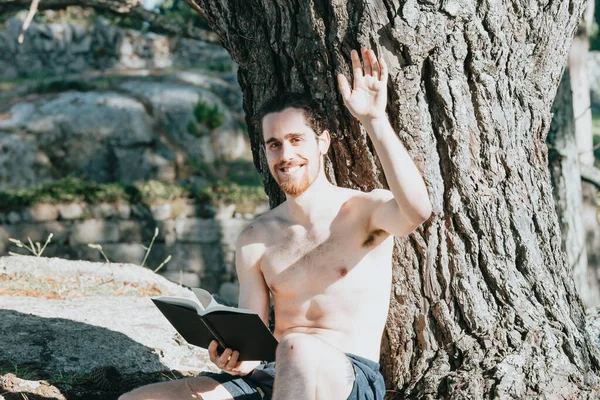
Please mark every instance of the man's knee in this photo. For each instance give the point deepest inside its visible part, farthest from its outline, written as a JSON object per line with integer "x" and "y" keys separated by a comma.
{"x": 136, "y": 394}
{"x": 128, "y": 396}
{"x": 202, "y": 387}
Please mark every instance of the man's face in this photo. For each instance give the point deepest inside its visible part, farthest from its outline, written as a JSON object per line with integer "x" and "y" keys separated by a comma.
{"x": 293, "y": 151}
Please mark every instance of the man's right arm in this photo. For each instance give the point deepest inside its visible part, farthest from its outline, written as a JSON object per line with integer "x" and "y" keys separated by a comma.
{"x": 254, "y": 295}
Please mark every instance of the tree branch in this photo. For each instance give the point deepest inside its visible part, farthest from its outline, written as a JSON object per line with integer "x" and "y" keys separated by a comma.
{"x": 590, "y": 174}
{"x": 131, "y": 8}
{"x": 196, "y": 8}
{"x": 32, "y": 10}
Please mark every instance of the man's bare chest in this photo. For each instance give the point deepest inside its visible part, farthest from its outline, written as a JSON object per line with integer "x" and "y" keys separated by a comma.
{"x": 301, "y": 260}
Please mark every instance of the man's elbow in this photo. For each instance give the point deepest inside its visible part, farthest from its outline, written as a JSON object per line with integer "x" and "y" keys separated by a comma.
{"x": 417, "y": 218}
{"x": 422, "y": 213}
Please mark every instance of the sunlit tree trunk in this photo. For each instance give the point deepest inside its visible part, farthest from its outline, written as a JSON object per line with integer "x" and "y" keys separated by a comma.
{"x": 563, "y": 158}
{"x": 483, "y": 302}
{"x": 578, "y": 56}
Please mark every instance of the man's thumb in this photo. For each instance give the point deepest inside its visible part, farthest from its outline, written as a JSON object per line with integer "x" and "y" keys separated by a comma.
{"x": 344, "y": 87}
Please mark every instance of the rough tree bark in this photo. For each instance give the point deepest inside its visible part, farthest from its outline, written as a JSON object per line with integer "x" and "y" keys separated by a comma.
{"x": 563, "y": 159}
{"x": 483, "y": 304}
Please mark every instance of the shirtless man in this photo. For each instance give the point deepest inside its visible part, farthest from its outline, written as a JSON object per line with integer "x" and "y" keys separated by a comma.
{"x": 325, "y": 255}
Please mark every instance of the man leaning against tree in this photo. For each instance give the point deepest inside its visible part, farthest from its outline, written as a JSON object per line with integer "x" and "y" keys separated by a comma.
{"x": 324, "y": 254}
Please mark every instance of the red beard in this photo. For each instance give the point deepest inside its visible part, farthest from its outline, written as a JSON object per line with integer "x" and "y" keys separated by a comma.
{"x": 296, "y": 184}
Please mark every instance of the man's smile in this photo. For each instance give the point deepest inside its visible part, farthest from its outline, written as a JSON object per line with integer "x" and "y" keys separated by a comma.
{"x": 290, "y": 170}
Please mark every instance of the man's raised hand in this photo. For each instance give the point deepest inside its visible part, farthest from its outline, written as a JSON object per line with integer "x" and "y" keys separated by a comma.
{"x": 228, "y": 361}
{"x": 368, "y": 98}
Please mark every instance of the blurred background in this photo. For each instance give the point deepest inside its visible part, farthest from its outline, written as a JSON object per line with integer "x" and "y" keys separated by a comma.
{"x": 122, "y": 138}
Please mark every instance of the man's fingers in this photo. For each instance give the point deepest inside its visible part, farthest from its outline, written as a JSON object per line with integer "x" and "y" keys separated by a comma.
{"x": 374, "y": 64}
{"x": 384, "y": 70}
{"x": 224, "y": 359}
{"x": 357, "y": 70}
{"x": 212, "y": 351}
{"x": 366, "y": 61}
{"x": 232, "y": 363}
{"x": 344, "y": 87}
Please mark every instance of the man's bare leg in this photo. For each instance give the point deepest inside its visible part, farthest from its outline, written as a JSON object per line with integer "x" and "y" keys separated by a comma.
{"x": 309, "y": 369}
{"x": 196, "y": 388}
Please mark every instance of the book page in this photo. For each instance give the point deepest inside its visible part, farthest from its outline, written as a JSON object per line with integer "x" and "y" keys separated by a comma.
{"x": 210, "y": 304}
{"x": 205, "y": 298}
{"x": 191, "y": 304}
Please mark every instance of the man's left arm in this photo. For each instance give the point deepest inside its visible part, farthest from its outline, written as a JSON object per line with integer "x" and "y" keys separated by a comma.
{"x": 407, "y": 206}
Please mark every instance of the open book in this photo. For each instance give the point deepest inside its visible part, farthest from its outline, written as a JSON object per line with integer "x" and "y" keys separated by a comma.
{"x": 203, "y": 320}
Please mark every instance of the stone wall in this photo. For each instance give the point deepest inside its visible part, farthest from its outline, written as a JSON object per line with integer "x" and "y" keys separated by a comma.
{"x": 57, "y": 49}
{"x": 200, "y": 239}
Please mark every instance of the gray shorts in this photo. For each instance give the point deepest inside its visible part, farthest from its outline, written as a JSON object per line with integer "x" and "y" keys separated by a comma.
{"x": 368, "y": 381}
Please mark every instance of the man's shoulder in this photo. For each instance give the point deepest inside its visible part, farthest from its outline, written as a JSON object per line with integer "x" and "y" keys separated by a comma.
{"x": 374, "y": 196}
{"x": 259, "y": 229}
{"x": 380, "y": 195}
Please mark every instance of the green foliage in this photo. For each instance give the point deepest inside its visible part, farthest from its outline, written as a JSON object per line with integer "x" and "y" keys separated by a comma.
{"x": 192, "y": 129}
{"x": 65, "y": 190}
{"x": 71, "y": 15}
{"x": 227, "y": 192}
{"x": 58, "y": 86}
{"x": 239, "y": 172}
{"x": 220, "y": 66}
{"x": 149, "y": 192}
{"x": 210, "y": 116}
{"x": 181, "y": 13}
{"x": 8, "y": 85}
{"x": 21, "y": 371}
{"x": 177, "y": 12}
{"x": 595, "y": 34}
{"x": 152, "y": 192}
{"x": 595, "y": 40}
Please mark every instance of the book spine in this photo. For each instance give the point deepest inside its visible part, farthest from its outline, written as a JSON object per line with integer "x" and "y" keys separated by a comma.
{"x": 213, "y": 332}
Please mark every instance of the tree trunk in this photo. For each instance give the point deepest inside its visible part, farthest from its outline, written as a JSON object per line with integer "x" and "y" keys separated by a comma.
{"x": 563, "y": 158}
{"x": 582, "y": 108}
{"x": 578, "y": 56}
{"x": 483, "y": 302}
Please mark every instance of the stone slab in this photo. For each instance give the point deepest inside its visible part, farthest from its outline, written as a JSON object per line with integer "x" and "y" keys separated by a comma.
{"x": 80, "y": 333}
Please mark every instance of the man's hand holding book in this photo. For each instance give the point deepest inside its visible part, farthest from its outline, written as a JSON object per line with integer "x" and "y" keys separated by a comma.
{"x": 228, "y": 361}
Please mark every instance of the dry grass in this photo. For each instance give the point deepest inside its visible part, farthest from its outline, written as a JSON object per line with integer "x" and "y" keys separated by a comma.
{"x": 77, "y": 286}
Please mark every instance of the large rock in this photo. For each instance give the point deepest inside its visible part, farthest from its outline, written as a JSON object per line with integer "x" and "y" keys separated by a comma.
{"x": 21, "y": 164}
{"x": 73, "y": 48}
{"x": 135, "y": 133}
{"x": 94, "y": 323}
{"x": 103, "y": 136}
{"x": 173, "y": 105}
{"x": 130, "y": 131}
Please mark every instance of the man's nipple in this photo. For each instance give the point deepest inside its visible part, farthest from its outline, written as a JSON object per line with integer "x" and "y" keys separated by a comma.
{"x": 343, "y": 271}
